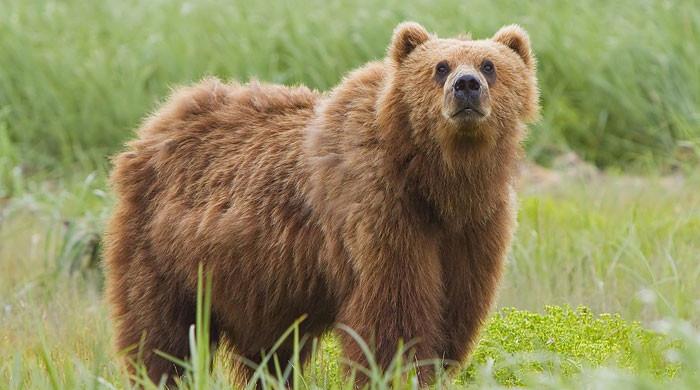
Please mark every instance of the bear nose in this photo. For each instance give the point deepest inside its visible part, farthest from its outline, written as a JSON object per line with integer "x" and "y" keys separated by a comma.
{"x": 467, "y": 84}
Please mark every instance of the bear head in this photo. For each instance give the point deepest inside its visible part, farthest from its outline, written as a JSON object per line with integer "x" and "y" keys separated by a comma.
{"x": 461, "y": 88}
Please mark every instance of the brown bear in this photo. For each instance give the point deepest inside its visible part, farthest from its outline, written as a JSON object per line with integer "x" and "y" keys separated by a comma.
{"x": 386, "y": 205}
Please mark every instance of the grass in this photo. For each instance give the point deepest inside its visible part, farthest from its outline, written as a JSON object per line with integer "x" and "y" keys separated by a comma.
{"x": 620, "y": 80}
{"x": 610, "y": 243}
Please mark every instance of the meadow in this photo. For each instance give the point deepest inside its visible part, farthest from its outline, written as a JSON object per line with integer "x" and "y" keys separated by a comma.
{"x": 601, "y": 288}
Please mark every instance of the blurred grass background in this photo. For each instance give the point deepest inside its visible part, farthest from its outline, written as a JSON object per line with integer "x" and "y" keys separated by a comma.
{"x": 620, "y": 80}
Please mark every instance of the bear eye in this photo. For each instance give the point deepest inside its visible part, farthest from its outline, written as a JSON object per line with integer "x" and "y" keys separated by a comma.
{"x": 442, "y": 68}
{"x": 487, "y": 67}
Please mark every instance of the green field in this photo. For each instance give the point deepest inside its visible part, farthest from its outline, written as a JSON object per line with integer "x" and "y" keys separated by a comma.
{"x": 615, "y": 234}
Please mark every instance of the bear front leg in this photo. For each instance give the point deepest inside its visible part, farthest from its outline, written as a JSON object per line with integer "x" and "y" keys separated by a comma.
{"x": 472, "y": 263}
{"x": 397, "y": 297}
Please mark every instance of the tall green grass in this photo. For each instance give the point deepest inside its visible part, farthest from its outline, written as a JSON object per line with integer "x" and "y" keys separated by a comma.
{"x": 620, "y": 80}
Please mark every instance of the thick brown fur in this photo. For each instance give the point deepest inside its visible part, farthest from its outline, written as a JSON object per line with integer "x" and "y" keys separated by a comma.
{"x": 367, "y": 206}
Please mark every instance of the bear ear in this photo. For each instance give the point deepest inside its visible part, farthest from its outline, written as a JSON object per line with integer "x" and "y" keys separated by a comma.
{"x": 516, "y": 38}
{"x": 407, "y": 36}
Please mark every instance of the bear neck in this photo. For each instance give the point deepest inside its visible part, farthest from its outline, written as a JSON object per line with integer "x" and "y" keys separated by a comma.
{"x": 461, "y": 180}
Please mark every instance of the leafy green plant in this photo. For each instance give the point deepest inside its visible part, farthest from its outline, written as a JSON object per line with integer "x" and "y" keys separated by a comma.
{"x": 564, "y": 341}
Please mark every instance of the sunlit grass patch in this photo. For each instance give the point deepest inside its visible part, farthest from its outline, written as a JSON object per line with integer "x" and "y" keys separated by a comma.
{"x": 564, "y": 341}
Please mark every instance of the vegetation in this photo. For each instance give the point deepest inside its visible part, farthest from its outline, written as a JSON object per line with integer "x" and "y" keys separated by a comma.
{"x": 620, "y": 87}
{"x": 620, "y": 80}
{"x": 564, "y": 341}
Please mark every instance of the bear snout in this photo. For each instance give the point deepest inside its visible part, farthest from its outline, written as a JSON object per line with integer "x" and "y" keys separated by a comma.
{"x": 467, "y": 91}
{"x": 467, "y": 98}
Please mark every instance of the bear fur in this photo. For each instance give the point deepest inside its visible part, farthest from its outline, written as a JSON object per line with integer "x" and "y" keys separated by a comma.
{"x": 379, "y": 205}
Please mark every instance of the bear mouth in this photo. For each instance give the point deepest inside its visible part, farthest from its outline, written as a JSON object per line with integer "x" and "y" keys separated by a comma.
{"x": 468, "y": 111}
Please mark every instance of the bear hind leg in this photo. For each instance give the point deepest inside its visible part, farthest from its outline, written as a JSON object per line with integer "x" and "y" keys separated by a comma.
{"x": 158, "y": 321}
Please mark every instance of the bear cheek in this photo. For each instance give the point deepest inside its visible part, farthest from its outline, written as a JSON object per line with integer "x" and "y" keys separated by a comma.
{"x": 448, "y": 106}
{"x": 447, "y": 98}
